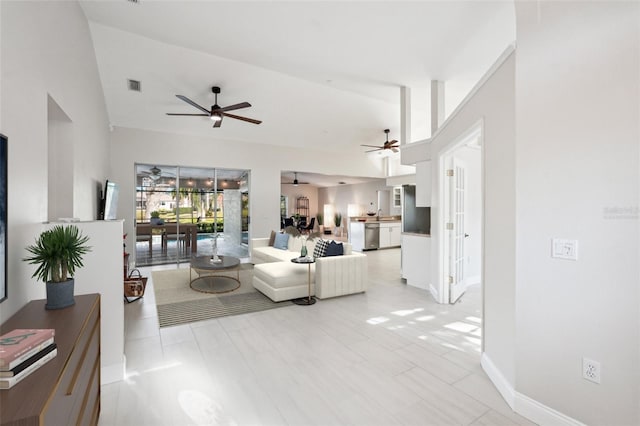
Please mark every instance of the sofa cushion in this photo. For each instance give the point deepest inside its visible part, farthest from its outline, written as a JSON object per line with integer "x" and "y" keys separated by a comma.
{"x": 272, "y": 238}
{"x": 321, "y": 246}
{"x": 283, "y": 274}
{"x": 281, "y": 241}
{"x": 334, "y": 249}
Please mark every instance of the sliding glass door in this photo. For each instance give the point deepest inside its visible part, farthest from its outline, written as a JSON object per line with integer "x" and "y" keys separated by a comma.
{"x": 186, "y": 211}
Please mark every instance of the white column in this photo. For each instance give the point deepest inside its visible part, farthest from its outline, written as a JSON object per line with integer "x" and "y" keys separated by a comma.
{"x": 437, "y": 105}
{"x": 405, "y": 115}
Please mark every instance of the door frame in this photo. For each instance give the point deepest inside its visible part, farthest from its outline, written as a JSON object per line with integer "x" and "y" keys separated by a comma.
{"x": 473, "y": 133}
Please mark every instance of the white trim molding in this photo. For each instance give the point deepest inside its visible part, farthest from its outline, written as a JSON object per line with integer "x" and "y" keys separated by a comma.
{"x": 522, "y": 404}
{"x": 541, "y": 414}
{"x": 499, "y": 381}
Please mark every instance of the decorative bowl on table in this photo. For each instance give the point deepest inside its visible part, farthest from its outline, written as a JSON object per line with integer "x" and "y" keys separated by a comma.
{"x": 371, "y": 214}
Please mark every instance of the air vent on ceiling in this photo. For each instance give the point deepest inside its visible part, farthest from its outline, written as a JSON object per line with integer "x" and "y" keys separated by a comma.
{"x": 134, "y": 85}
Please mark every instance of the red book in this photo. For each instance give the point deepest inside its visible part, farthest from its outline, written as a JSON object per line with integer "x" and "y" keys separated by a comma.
{"x": 20, "y": 342}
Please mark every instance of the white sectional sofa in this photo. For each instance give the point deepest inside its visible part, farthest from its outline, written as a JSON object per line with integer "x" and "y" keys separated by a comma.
{"x": 280, "y": 279}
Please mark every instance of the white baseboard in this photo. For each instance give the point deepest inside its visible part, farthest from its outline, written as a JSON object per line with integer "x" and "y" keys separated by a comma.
{"x": 434, "y": 293}
{"x": 501, "y": 383}
{"x": 541, "y": 414}
{"x": 522, "y": 404}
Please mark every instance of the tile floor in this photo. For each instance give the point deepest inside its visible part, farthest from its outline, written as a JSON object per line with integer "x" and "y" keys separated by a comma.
{"x": 390, "y": 356}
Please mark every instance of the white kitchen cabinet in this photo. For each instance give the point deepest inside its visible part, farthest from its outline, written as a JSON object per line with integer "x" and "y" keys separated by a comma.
{"x": 390, "y": 235}
{"x": 416, "y": 260}
{"x": 397, "y": 197}
{"x": 423, "y": 184}
{"x": 356, "y": 236}
{"x": 395, "y": 235}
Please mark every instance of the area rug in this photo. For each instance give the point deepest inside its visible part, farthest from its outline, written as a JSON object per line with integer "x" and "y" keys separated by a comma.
{"x": 178, "y": 304}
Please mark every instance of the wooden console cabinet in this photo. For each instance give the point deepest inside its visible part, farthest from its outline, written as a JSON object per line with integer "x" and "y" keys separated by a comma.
{"x": 66, "y": 390}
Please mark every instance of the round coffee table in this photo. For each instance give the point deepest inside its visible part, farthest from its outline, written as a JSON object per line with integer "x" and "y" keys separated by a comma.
{"x": 208, "y": 271}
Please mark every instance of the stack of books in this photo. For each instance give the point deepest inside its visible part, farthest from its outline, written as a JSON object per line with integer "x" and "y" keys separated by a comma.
{"x": 23, "y": 351}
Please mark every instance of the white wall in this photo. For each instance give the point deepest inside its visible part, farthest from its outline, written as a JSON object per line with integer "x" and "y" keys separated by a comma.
{"x": 46, "y": 51}
{"x": 264, "y": 161}
{"x": 577, "y": 153}
{"x": 341, "y": 196}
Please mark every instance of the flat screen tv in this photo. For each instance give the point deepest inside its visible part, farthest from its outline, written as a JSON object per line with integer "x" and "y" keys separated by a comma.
{"x": 109, "y": 202}
{"x": 3, "y": 217}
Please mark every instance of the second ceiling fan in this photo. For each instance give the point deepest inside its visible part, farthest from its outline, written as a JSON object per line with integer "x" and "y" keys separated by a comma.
{"x": 295, "y": 181}
{"x": 216, "y": 113}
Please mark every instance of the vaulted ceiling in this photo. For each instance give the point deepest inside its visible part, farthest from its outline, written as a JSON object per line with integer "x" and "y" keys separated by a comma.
{"x": 317, "y": 73}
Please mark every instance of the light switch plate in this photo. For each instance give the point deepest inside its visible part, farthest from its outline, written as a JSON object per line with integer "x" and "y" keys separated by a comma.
{"x": 564, "y": 249}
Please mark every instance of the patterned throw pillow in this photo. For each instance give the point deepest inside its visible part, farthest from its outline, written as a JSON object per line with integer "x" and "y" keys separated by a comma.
{"x": 321, "y": 246}
{"x": 334, "y": 249}
{"x": 281, "y": 242}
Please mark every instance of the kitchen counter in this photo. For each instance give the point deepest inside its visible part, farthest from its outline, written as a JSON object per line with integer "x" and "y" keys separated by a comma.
{"x": 373, "y": 219}
{"x": 416, "y": 234}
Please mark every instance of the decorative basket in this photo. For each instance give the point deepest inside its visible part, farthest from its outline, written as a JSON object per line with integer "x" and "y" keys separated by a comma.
{"x": 135, "y": 284}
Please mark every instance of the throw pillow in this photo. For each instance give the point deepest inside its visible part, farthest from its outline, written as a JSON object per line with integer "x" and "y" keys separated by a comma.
{"x": 321, "y": 245}
{"x": 281, "y": 241}
{"x": 272, "y": 238}
{"x": 334, "y": 249}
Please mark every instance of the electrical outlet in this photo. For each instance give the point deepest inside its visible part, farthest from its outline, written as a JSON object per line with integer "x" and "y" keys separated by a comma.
{"x": 591, "y": 370}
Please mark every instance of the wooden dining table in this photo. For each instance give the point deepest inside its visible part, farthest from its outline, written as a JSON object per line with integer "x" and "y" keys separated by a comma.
{"x": 187, "y": 231}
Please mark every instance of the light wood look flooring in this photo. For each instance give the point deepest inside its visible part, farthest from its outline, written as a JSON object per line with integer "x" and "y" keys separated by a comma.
{"x": 390, "y": 356}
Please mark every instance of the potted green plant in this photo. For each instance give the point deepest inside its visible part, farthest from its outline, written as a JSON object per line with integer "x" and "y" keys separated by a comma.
{"x": 337, "y": 220}
{"x": 58, "y": 252}
{"x": 155, "y": 218}
{"x": 320, "y": 219}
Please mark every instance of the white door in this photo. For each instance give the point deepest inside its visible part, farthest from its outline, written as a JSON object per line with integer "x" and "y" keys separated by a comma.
{"x": 457, "y": 281}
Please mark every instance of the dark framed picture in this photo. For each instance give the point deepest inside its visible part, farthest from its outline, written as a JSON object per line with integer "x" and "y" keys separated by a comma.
{"x": 3, "y": 216}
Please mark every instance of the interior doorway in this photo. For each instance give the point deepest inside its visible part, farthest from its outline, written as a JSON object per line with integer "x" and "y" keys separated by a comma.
{"x": 461, "y": 225}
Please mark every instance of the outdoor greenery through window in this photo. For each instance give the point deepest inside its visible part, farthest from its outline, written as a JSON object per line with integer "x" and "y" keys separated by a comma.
{"x": 212, "y": 202}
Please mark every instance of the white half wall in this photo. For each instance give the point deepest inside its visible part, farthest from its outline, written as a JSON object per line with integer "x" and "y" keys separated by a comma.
{"x": 102, "y": 273}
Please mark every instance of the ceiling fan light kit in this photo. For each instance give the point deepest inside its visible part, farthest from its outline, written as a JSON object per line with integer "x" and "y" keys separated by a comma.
{"x": 216, "y": 113}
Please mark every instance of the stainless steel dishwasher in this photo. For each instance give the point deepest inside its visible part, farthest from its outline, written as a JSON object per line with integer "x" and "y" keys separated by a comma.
{"x": 371, "y": 236}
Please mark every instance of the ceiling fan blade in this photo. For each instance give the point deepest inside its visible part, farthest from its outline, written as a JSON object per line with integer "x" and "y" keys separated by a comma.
{"x": 236, "y": 106}
{"x": 373, "y": 146}
{"x": 196, "y": 115}
{"x": 218, "y": 123}
{"x": 190, "y": 102}
{"x": 237, "y": 117}
{"x": 372, "y": 150}
{"x": 393, "y": 142}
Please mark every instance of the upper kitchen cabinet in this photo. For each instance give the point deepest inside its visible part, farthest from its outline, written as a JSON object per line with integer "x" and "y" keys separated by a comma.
{"x": 423, "y": 184}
